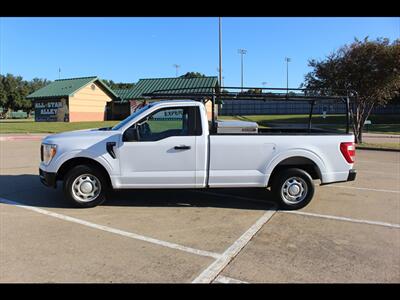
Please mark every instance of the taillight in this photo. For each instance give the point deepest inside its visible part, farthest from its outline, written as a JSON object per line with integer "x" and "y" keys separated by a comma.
{"x": 349, "y": 151}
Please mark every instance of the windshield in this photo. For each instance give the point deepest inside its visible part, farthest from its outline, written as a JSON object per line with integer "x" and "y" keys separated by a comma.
{"x": 132, "y": 116}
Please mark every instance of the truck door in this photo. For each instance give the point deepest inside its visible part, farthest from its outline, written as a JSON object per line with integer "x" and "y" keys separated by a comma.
{"x": 162, "y": 153}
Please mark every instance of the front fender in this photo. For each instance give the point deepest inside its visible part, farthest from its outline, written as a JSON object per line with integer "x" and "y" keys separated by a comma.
{"x": 60, "y": 160}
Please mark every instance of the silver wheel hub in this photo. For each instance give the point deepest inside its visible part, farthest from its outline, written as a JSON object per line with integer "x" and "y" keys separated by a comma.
{"x": 294, "y": 190}
{"x": 86, "y": 188}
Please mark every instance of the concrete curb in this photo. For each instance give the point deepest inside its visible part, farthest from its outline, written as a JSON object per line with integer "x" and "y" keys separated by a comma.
{"x": 22, "y": 137}
{"x": 377, "y": 149}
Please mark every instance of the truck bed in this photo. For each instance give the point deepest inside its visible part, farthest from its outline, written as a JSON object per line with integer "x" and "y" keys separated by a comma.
{"x": 248, "y": 159}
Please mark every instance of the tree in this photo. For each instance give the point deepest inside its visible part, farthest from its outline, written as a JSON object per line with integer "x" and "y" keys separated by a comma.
{"x": 121, "y": 85}
{"x": 3, "y": 93}
{"x": 192, "y": 75}
{"x": 252, "y": 91}
{"x": 34, "y": 85}
{"x": 37, "y": 83}
{"x": 13, "y": 91}
{"x": 369, "y": 68}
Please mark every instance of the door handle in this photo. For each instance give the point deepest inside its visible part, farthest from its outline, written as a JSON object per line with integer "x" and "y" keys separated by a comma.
{"x": 182, "y": 147}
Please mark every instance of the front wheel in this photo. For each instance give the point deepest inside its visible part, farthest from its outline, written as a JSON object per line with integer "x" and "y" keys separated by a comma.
{"x": 85, "y": 186}
{"x": 293, "y": 188}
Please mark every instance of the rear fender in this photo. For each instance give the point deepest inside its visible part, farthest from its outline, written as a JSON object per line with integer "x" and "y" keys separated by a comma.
{"x": 295, "y": 153}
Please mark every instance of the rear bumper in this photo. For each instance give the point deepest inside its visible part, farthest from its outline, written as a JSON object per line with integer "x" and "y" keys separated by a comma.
{"x": 352, "y": 175}
{"x": 47, "y": 178}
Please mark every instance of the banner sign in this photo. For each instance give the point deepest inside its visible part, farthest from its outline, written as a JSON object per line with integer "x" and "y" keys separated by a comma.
{"x": 51, "y": 110}
{"x": 168, "y": 115}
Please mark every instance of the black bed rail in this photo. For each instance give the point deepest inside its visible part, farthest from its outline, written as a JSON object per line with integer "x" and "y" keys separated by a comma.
{"x": 212, "y": 94}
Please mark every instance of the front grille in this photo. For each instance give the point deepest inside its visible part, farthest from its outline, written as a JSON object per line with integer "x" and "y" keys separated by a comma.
{"x": 41, "y": 152}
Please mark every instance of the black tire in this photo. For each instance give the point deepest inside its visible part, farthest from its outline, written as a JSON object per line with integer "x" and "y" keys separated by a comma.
{"x": 94, "y": 174}
{"x": 297, "y": 178}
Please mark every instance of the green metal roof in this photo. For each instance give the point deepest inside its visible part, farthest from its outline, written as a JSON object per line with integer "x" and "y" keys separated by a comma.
{"x": 199, "y": 84}
{"x": 123, "y": 93}
{"x": 66, "y": 87}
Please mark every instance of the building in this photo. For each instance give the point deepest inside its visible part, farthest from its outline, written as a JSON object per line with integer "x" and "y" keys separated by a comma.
{"x": 72, "y": 100}
{"x": 130, "y": 99}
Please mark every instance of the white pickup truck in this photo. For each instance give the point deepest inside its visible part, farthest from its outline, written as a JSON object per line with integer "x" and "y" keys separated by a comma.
{"x": 168, "y": 144}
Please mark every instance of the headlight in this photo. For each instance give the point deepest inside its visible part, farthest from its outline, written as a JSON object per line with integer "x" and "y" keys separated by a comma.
{"x": 48, "y": 152}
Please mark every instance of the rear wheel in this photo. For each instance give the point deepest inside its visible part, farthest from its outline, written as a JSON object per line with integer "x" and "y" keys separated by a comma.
{"x": 85, "y": 186}
{"x": 293, "y": 188}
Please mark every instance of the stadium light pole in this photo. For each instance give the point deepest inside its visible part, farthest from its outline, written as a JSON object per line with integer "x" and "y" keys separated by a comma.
{"x": 223, "y": 78}
{"x": 176, "y": 69}
{"x": 242, "y": 52}
{"x": 287, "y": 59}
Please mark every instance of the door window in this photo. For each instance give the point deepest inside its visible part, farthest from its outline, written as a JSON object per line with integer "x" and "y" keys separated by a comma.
{"x": 179, "y": 121}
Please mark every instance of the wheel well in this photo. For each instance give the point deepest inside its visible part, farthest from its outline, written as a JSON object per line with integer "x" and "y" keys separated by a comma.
{"x": 73, "y": 162}
{"x": 297, "y": 162}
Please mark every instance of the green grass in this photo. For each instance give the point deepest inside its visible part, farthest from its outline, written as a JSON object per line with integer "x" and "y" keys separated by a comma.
{"x": 381, "y": 145}
{"x": 389, "y": 124}
{"x": 291, "y": 119}
{"x": 383, "y": 128}
{"x": 159, "y": 126}
{"x": 30, "y": 126}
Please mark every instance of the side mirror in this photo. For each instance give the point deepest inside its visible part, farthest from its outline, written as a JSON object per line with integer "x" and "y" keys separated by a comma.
{"x": 131, "y": 134}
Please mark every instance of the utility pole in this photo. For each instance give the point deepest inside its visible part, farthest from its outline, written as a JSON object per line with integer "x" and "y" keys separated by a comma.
{"x": 176, "y": 71}
{"x": 242, "y": 52}
{"x": 220, "y": 52}
{"x": 287, "y": 59}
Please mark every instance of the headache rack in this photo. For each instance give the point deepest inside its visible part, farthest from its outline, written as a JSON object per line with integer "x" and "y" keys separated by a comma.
{"x": 213, "y": 94}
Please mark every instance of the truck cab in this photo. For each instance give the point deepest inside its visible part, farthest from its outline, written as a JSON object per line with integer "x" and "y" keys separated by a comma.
{"x": 169, "y": 144}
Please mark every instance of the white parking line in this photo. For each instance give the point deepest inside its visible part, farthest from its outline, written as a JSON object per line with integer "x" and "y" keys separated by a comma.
{"x": 340, "y": 218}
{"x": 362, "y": 188}
{"x": 213, "y": 270}
{"x": 224, "y": 279}
{"x": 379, "y": 223}
{"x": 114, "y": 230}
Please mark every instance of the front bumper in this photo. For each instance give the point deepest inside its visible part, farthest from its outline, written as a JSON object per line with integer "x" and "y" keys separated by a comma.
{"x": 47, "y": 178}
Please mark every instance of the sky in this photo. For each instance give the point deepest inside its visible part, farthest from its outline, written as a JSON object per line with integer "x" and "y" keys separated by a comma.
{"x": 126, "y": 49}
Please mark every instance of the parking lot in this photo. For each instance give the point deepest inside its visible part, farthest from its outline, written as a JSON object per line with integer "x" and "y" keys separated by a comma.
{"x": 350, "y": 232}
